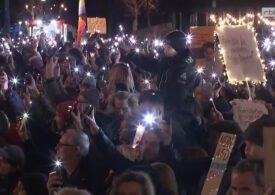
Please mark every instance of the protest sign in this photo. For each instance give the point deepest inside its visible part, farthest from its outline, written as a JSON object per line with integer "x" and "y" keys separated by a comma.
{"x": 201, "y": 35}
{"x": 246, "y": 111}
{"x": 97, "y": 25}
{"x": 203, "y": 49}
{"x": 240, "y": 53}
{"x": 219, "y": 164}
{"x": 269, "y": 159}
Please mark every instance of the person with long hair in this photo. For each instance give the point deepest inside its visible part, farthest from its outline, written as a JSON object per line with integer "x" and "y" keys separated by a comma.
{"x": 120, "y": 79}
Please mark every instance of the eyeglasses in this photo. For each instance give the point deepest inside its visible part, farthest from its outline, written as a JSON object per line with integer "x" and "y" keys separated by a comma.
{"x": 67, "y": 145}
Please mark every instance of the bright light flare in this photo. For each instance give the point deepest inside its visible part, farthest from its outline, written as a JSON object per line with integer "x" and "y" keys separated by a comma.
{"x": 146, "y": 81}
{"x": 58, "y": 163}
{"x": 149, "y": 119}
{"x": 214, "y": 75}
{"x": 200, "y": 70}
{"x": 120, "y": 27}
{"x": 15, "y": 81}
{"x": 158, "y": 43}
{"x": 39, "y": 22}
{"x": 188, "y": 39}
{"x": 25, "y": 115}
{"x": 267, "y": 44}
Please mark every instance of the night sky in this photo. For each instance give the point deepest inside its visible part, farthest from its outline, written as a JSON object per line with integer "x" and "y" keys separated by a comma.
{"x": 115, "y": 11}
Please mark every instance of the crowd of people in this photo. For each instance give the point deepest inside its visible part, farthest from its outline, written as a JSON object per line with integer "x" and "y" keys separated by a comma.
{"x": 108, "y": 118}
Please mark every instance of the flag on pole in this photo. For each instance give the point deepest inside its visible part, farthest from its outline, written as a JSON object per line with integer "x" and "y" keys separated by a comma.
{"x": 81, "y": 21}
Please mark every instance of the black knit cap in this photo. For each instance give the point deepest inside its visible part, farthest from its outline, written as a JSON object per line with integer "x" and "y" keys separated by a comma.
{"x": 254, "y": 132}
{"x": 177, "y": 40}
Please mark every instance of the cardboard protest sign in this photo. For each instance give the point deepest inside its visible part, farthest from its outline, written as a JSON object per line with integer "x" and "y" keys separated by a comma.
{"x": 201, "y": 35}
{"x": 247, "y": 111}
{"x": 203, "y": 49}
{"x": 97, "y": 25}
{"x": 241, "y": 54}
{"x": 219, "y": 164}
{"x": 269, "y": 159}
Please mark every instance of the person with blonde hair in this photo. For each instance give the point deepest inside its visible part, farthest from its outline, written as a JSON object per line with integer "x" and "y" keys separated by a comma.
{"x": 120, "y": 79}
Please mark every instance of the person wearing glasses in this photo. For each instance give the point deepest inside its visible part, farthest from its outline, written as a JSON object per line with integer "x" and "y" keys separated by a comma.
{"x": 75, "y": 168}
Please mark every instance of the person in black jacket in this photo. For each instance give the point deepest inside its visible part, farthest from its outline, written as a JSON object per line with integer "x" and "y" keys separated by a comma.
{"x": 10, "y": 101}
{"x": 155, "y": 147}
{"x": 77, "y": 168}
{"x": 177, "y": 76}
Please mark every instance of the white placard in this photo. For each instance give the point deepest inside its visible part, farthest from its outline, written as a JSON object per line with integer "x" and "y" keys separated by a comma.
{"x": 246, "y": 111}
{"x": 240, "y": 52}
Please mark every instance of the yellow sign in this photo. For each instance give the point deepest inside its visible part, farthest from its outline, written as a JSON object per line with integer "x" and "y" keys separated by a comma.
{"x": 97, "y": 25}
{"x": 201, "y": 35}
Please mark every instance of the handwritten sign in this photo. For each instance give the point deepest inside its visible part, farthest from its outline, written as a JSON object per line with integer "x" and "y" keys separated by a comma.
{"x": 269, "y": 159}
{"x": 201, "y": 35}
{"x": 219, "y": 164}
{"x": 246, "y": 111}
{"x": 240, "y": 52}
{"x": 97, "y": 25}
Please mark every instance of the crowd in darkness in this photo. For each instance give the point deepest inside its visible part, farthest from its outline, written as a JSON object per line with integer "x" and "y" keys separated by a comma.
{"x": 104, "y": 118}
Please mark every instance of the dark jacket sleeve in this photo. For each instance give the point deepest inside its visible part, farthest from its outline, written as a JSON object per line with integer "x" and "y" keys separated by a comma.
{"x": 42, "y": 107}
{"x": 35, "y": 161}
{"x": 117, "y": 161}
{"x": 12, "y": 105}
{"x": 168, "y": 156}
{"x": 144, "y": 62}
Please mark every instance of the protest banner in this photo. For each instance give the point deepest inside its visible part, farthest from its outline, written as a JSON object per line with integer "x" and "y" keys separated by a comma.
{"x": 269, "y": 158}
{"x": 219, "y": 164}
{"x": 203, "y": 49}
{"x": 247, "y": 111}
{"x": 97, "y": 25}
{"x": 240, "y": 53}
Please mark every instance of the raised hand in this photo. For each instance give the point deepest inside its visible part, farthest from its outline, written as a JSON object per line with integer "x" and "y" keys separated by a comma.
{"x": 52, "y": 68}
{"x": 54, "y": 183}
{"x": 92, "y": 123}
{"x": 77, "y": 120}
{"x": 4, "y": 82}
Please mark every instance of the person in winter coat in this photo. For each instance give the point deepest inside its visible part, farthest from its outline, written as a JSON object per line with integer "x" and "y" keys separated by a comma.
{"x": 176, "y": 73}
{"x": 10, "y": 102}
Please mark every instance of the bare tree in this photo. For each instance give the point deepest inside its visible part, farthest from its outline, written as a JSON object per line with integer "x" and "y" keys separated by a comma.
{"x": 151, "y": 5}
{"x": 136, "y": 6}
